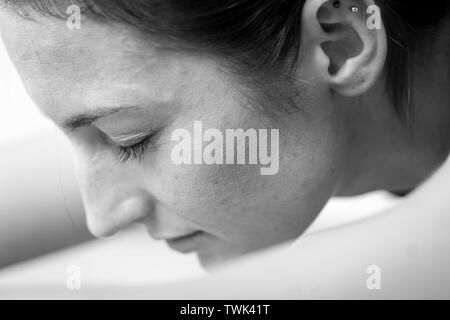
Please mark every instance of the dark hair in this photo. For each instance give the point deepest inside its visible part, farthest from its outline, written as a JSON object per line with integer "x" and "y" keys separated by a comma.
{"x": 261, "y": 37}
{"x": 407, "y": 22}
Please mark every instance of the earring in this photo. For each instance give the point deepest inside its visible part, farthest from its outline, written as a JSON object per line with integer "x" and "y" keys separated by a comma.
{"x": 354, "y": 9}
{"x": 337, "y": 4}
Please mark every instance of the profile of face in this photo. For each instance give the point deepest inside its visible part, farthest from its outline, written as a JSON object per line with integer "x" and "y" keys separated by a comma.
{"x": 119, "y": 96}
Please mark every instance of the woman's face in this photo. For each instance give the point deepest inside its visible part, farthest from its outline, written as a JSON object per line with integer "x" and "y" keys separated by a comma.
{"x": 114, "y": 87}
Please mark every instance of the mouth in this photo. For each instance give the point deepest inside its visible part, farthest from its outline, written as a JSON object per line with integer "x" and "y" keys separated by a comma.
{"x": 186, "y": 244}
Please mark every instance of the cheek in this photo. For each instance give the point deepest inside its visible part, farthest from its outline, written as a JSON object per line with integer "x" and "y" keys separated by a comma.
{"x": 234, "y": 203}
{"x": 219, "y": 197}
{"x": 206, "y": 186}
{"x": 237, "y": 203}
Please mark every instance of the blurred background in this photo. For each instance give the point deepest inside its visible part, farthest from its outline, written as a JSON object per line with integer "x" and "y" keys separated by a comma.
{"x": 127, "y": 259}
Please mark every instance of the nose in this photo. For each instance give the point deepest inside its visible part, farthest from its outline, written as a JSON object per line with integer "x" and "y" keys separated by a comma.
{"x": 107, "y": 221}
{"x": 113, "y": 196}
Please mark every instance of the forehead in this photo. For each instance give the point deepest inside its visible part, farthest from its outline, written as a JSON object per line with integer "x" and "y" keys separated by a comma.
{"x": 97, "y": 64}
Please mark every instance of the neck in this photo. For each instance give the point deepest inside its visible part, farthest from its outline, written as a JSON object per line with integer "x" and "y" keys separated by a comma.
{"x": 388, "y": 154}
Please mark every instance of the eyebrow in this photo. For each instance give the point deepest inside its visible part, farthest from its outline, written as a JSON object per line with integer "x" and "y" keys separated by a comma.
{"x": 87, "y": 118}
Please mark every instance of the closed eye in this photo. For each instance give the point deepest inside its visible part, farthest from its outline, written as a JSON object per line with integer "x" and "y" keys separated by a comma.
{"x": 136, "y": 151}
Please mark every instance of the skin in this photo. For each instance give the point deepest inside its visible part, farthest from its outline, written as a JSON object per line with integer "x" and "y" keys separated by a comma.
{"x": 331, "y": 147}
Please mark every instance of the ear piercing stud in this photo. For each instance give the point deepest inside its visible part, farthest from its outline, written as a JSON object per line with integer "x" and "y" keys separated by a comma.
{"x": 337, "y": 4}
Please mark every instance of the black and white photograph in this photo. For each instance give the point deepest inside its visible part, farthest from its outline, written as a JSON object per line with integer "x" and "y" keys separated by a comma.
{"x": 224, "y": 150}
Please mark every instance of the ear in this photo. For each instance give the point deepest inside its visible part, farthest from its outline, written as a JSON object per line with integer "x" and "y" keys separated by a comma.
{"x": 346, "y": 41}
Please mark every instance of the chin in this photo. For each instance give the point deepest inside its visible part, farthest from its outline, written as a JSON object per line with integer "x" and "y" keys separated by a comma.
{"x": 211, "y": 261}
{"x": 220, "y": 254}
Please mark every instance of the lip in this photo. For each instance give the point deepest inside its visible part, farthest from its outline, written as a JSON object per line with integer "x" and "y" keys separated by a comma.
{"x": 186, "y": 244}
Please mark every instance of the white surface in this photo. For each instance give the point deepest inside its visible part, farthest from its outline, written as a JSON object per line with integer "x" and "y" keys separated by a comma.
{"x": 132, "y": 258}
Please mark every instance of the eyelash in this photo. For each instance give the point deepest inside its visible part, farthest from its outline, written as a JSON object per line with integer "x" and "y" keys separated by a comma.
{"x": 136, "y": 151}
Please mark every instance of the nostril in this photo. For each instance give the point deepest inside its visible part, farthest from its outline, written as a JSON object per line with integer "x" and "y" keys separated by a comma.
{"x": 133, "y": 209}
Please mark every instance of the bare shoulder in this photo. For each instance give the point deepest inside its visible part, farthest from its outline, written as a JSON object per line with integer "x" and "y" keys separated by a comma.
{"x": 407, "y": 247}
